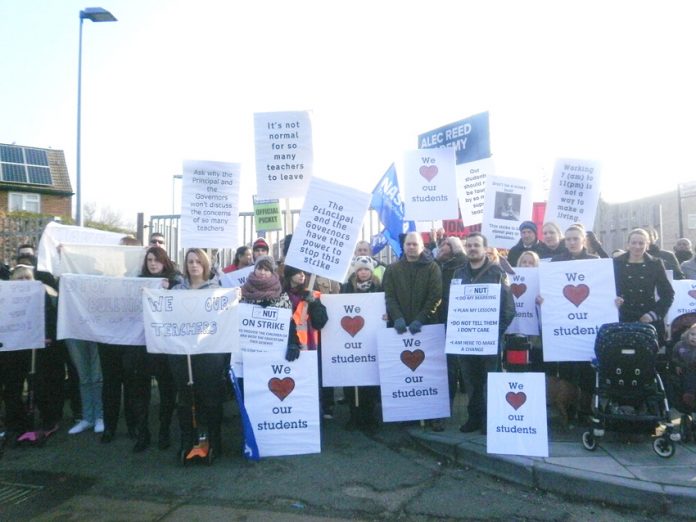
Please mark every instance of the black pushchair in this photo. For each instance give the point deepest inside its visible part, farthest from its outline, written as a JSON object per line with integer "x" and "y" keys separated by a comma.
{"x": 629, "y": 394}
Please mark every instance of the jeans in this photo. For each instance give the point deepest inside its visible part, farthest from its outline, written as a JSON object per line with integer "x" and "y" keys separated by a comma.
{"x": 85, "y": 356}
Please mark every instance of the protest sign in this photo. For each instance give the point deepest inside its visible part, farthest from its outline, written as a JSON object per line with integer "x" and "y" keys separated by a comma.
{"x": 210, "y": 204}
{"x": 349, "y": 339}
{"x": 267, "y": 215}
{"x": 413, "y": 374}
{"x": 574, "y": 193}
{"x": 284, "y": 157}
{"x": 471, "y": 189}
{"x": 236, "y": 278}
{"x": 507, "y": 202}
{"x": 282, "y": 401}
{"x": 684, "y": 299}
{"x": 106, "y": 260}
{"x": 328, "y": 229}
{"x": 56, "y": 234}
{"x": 430, "y": 185}
{"x": 103, "y": 309}
{"x": 22, "y": 320}
{"x": 472, "y": 319}
{"x": 579, "y": 297}
{"x": 468, "y": 137}
{"x": 184, "y": 322}
{"x": 517, "y": 414}
{"x": 525, "y": 289}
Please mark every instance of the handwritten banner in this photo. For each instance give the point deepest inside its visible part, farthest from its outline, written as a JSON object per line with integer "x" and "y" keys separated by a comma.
{"x": 282, "y": 400}
{"x": 579, "y": 297}
{"x": 349, "y": 339}
{"x": 525, "y": 289}
{"x": 210, "y": 204}
{"x": 190, "y": 321}
{"x": 472, "y": 319}
{"x": 684, "y": 299}
{"x": 106, "y": 260}
{"x": 103, "y": 309}
{"x": 430, "y": 185}
{"x": 574, "y": 193}
{"x": 22, "y": 324}
{"x": 517, "y": 414}
{"x": 413, "y": 374}
{"x": 508, "y": 202}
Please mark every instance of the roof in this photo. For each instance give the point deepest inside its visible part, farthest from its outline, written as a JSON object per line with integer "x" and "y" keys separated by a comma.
{"x": 34, "y": 169}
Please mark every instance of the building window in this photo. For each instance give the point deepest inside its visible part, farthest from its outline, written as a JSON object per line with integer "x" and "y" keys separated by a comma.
{"x": 26, "y": 202}
{"x": 25, "y": 165}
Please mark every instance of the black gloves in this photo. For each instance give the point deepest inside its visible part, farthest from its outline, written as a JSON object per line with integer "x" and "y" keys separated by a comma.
{"x": 400, "y": 325}
{"x": 415, "y": 327}
{"x": 293, "y": 353}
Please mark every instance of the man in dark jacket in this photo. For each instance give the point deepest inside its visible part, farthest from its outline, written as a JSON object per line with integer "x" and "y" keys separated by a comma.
{"x": 479, "y": 270}
{"x": 528, "y": 241}
{"x": 668, "y": 258}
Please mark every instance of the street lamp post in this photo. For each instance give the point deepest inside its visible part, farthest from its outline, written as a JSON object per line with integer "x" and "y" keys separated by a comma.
{"x": 96, "y": 14}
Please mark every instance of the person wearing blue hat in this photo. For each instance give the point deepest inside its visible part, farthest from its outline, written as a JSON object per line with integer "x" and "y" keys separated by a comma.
{"x": 528, "y": 241}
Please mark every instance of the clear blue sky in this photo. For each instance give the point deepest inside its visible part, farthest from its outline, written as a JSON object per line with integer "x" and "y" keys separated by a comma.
{"x": 173, "y": 80}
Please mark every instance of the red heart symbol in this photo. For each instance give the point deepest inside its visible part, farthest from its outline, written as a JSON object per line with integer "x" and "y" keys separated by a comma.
{"x": 692, "y": 294}
{"x": 428, "y": 172}
{"x": 576, "y": 294}
{"x": 281, "y": 388}
{"x": 516, "y": 399}
{"x": 518, "y": 289}
{"x": 352, "y": 325}
{"x": 412, "y": 359}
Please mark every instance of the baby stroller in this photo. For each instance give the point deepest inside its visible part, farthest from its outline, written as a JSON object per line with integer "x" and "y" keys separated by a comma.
{"x": 629, "y": 395}
{"x": 687, "y": 421}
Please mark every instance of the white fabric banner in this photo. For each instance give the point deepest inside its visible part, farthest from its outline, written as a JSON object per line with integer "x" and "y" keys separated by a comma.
{"x": 282, "y": 400}
{"x": 190, "y": 321}
{"x": 525, "y": 289}
{"x": 22, "y": 322}
{"x": 56, "y": 234}
{"x": 284, "y": 155}
{"x": 328, "y": 229}
{"x": 579, "y": 297}
{"x": 237, "y": 278}
{"x": 517, "y": 414}
{"x": 413, "y": 374}
{"x": 574, "y": 193}
{"x": 106, "y": 260}
{"x": 349, "y": 339}
{"x": 430, "y": 185}
{"x": 103, "y": 309}
{"x": 508, "y": 202}
{"x": 684, "y": 299}
{"x": 471, "y": 189}
{"x": 472, "y": 319}
{"x": 210, "y": 204}
{"x": 260, "y": 330}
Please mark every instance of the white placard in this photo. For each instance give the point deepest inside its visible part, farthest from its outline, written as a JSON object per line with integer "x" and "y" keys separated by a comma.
{"x": 579, "y": 297}
{"x": 236, "y": 278}
{"x": 282, "y": 400}
{"x": 349, "y": 339}
{"x": 517, "y": 414}
{"x": 106, "y": 260}
{"x": 284, "y": 157}
{"x": 56, "y": 234}
{"x": 574, "y": 193}
{"x": 209, "y": 204}
{"x": 328, "y": 229}
{"x": 471, "y": 189}
{"x": 181, "y": 322}
{"x": 472, "y": 319}
{"x": 684, "y": 299}
{"x": 508, "y": 202}
{"x": 22, "y": 324}
{"x": 430, "y": 185}
{"x": 103, "y": 309}
{"x": 413, "y": 374}
{"x": 525, "y": 289}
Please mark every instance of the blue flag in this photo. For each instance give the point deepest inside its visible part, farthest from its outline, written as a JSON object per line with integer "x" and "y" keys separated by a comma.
{"x": 386, "y": 200}
{"x": 251, "y": 450}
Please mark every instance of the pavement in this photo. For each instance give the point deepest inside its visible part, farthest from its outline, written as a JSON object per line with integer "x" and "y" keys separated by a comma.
{"x": 623, "y": 470}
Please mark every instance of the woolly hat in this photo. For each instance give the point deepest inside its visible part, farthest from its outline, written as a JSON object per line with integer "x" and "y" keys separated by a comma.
{"x": 362, "y": 262}
{"x": 530, "y": 225}
{"x": 260, "y": 243}
{"x": 266, "y": 262}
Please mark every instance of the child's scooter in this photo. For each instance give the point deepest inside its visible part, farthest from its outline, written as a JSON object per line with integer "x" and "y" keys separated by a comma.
{"x": 201, "y": 450}
{"x": 33, "y": 436}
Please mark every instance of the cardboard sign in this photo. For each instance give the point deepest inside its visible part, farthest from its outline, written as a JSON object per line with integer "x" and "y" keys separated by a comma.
{"x": 517, "y": 414}
{"x": 413, "y": 374}
{"x": 684, "y": 299}
{"x": 574, "y": 193}
{"x": 267, "y": 215}
{"x": 22, "y": 323}
{"x": 237, "y": 278}
{"x": 472, "y": 319}
{"x": 508, "y": 202}
{"x": 210, "y": 204}
{"x": 430, "y": 186}
{"x": 578, "y": 298}
{"x": 349, "y": 339}
{"x": 282, "y": 401}
{"x": 525, "y": 289}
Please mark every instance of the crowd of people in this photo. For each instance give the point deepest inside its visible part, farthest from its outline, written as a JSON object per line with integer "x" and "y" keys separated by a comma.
{"x": 96, "y": 379}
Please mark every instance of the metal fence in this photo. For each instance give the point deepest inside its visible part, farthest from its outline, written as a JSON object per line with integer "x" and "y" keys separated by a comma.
{"x": 15, "y": 231}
